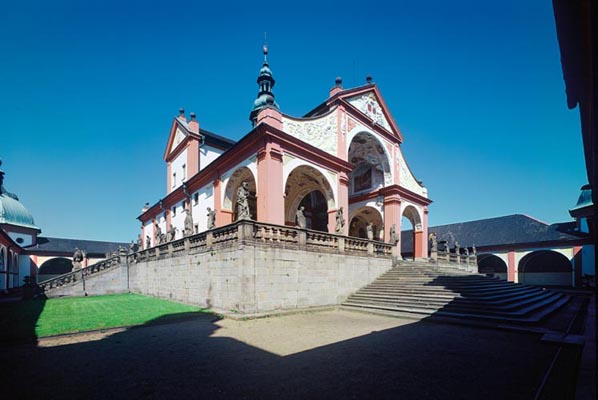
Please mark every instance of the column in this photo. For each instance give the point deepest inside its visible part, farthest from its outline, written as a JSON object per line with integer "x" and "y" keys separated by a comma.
{"x": 270, "y": 193}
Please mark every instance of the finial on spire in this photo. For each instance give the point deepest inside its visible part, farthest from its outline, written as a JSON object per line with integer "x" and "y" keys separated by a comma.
{"x": 265, "y": 49}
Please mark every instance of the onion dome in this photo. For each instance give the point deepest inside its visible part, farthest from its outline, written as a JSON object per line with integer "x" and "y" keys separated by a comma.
{"x": 12, "y": 211}
{"x": 265, "y": 97}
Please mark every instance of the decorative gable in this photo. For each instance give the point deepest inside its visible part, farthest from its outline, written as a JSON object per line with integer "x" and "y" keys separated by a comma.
{"x": 368, "y": 104}
{"x": 179, "y": 136}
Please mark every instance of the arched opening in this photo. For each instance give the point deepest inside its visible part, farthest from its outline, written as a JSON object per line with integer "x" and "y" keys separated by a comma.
{"x": 411, "y": 239}
{"x": 545, "y": 267}
{"x": 307, "y": 187}
{"x": 358, "y": 227}
{"x": 54, "y": 267}
{"x": 491, "y": 264}
{"x": 15, "y": 271}
{"x": 231, "y": 192}
{"x": 372, "y": 168}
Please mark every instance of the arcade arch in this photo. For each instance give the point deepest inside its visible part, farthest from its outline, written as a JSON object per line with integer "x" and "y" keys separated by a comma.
{"x": 411, "y": 214}
{"x": 361, "y": 218}
{"x": 491, "y": 264}
{"x": 242, "y": 174}
{"x": 56, "y": 266}
{"x": 371, "y": 162}
{"x": 545, "y": 267}
{"x": 307, "y": 187}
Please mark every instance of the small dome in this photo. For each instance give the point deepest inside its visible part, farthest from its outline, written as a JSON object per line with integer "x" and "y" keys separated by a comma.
{"x": 13, "y": 212}
{"x": 265, "y": 70}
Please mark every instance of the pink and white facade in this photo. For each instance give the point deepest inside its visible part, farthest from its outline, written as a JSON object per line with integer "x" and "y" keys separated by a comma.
{"x": 344, "y": 153}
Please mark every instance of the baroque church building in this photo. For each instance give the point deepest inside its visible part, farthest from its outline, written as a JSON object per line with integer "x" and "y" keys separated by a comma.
{"x": 339, "y": 168}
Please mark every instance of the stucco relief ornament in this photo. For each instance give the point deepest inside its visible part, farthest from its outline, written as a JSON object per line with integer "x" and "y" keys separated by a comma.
{"x": 320, "y": 133}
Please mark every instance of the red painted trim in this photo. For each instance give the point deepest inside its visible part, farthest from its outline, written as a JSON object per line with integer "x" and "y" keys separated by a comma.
{"x": 511, "y": 266}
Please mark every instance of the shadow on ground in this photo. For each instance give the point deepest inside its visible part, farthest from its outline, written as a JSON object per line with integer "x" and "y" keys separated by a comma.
{"x": 419, "y": 360}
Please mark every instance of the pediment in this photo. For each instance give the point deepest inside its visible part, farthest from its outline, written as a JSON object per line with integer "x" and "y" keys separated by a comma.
{"x": 369, "y": 105}
{"x": 179, "y": 136}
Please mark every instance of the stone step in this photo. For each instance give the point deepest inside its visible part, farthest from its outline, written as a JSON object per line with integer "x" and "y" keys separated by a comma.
{"x": 528, "y": 315}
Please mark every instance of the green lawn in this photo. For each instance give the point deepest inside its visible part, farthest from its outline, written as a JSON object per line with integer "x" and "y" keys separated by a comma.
{"x": 38, "y": 318}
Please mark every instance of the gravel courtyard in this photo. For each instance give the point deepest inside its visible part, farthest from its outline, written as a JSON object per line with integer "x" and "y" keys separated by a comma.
{"x": 329, "y": 354}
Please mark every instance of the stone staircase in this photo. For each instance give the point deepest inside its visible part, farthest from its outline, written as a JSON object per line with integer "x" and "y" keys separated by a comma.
{"x": 423, "y": 289}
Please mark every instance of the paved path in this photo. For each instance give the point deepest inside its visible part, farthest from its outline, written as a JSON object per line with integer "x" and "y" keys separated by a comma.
{"x": 331, "y": 354}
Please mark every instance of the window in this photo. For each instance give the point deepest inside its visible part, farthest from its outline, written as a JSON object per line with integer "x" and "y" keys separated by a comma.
{"x": 174, "y": 211}
{"x": 174, "y": 179}
{"x": 184, "y": 174}
{"x": 196, "y": 228}
{"x": 196, "y": 199}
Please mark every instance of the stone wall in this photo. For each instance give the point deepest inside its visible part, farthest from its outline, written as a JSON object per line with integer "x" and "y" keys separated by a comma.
{"x": 251, "y": 278}
{"x": 108, "y": 281}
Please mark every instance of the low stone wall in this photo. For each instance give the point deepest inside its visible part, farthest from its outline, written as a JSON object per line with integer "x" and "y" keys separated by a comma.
{"x": 253, "y": 278}
{"x": 104, "y": 282}
{"x": 245, "y": 267}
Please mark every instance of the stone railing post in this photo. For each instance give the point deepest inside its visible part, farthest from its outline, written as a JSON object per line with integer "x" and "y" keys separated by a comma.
{"x": 341, "y": 244}
{"x": 434, "y": 255}
{"x": 396, "y": 252}
{"x": 245, "y": 230}
{"x": 370, "y": 247}
{"x": 209, "y": 239}
{"x": 157, "y": 251}
{"x": 170, "y": 249}
{"x": 187, "y": 243}
{"x": 301, "y": 237}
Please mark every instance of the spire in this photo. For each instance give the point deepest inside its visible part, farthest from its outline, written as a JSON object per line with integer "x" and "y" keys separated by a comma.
{"x": 265, "y": 81}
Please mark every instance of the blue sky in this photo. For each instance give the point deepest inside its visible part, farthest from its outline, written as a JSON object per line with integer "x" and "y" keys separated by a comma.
{"x": 89, "y": 89}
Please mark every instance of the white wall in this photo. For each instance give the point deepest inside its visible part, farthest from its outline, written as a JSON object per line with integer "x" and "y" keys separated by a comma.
{"x": 206, "y": 199}
{"x": 27, "y": 239}
{"x": 207, "y": 154}
{"x": 177, "y": 167}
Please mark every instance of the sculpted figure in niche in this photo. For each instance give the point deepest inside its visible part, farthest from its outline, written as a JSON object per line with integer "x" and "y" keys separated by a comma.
{"x": 370, "y": 230}
{"x": 211, "y": 218}
{"x": 300, "y": 217}
{"x": 188, "y": 223}
{"x": 77, "y": 259}
{"x": 340, "y": 221}
{"x": 243, "y": 201}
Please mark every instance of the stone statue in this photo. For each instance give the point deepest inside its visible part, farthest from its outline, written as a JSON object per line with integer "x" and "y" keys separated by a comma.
{"x": 433, "y": 239}
{"x": 211, "y": 218}
{"x": 243, "y": 201}
{"x": 158, "y": 233}
{"x": 172, "y": 233}
{"x": 148, "y": 242}
{"x": 132, "y": 247}
{"x": 139, "y": 243}
{"x": 300, "y": 217}
{"x": 188, "y": 223}
{"x": 474, "y": 250}
{"x": 340, "y": 221}
{"x": 466, "y": 252}
{"x": 447, "y": 247}
{"x": 394, "y": 239}
{"x": 457, "y": 248}
{"x": 77, "y": 259}
{"x": 370, "y": 230}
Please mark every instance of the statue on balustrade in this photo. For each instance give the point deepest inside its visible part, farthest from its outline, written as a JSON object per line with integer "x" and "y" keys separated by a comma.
{"x": 434, "y": 241}
{"x": 148, "y": 242}
{"x": 132, "y": 247}
{"x": 158, "y": 233}
{"x": 139, "y": 243}
{"x": 77, "y": 259}
{"x": 474, "y": 250}
{"x": 370, "y": 230}
{"x": 188, "y": 223}
{"x": 300, "y": 217}
{"x": 340, "y": 220}
{"x": 394, "y": 238}
{"x": 172, "y": 233}
{"x": 467, "y": 252}
{"x": 243, "y": 201}
{"x": 457, "y": 248}
{"x": 211, "y": 218}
